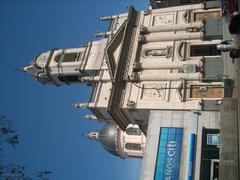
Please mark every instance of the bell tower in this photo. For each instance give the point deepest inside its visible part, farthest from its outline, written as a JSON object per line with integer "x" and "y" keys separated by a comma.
{"x": 68, "y": 66}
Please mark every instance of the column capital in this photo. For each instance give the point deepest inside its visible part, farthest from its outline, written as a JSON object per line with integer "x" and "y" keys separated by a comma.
{"x": 144, "y": 30}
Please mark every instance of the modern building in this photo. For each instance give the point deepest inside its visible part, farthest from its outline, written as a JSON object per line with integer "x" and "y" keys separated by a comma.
{"x": 158, "y": 70}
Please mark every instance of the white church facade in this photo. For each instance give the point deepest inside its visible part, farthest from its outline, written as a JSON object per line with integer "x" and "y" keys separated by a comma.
{"x": 157, "y": 81}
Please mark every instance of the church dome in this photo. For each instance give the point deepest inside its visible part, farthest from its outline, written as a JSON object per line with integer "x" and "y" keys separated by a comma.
{"x": 129, "y": 143}
{"x": 108, "y": 138}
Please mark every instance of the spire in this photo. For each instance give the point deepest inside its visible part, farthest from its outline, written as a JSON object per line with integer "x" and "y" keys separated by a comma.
{"x": 20, "y": 69}
{"x": 105, "y": 18}
{"x": 104, "y": 34}
{"x": 32, "y": 70}
{"x": 80, "y": 105}
{"x": 92, "y": 135}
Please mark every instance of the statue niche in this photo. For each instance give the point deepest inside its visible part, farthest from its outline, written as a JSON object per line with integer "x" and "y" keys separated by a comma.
{"x": 158, "y": 52}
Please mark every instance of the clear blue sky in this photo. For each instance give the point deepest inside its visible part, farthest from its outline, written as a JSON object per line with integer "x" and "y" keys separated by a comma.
{"x": 50, "y": 129}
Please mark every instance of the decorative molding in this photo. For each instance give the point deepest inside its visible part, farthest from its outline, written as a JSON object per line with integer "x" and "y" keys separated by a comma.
{"x": 189, "y": 68}
{"x": 186, "y": 16}
{"x": 137, "y": 66}
{"x": 181, "y": 91}
{"x": 157, "y": 52}
{"x": 147, "y": 12}
{"x": 166, "y": 19}
{"x": 144, "y": 30}
{"x": 142, "y": 38}
{"x": 155, "y": 92}
{"x": 135, "y": 77}
{"x": 131, "y": 105}
{"x": 182, "y": 50}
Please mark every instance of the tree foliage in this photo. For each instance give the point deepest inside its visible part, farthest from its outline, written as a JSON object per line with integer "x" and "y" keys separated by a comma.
{"x": 13, "y": 171}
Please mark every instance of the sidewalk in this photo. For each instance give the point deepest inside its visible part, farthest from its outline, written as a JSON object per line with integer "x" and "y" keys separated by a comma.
{"x": 230, "y": 113}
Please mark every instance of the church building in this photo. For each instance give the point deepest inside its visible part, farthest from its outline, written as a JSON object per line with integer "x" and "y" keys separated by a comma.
{"x": 157, "y": 82}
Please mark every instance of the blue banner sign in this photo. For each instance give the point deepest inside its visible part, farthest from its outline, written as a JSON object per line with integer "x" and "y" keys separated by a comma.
{"x": 169, "y": 154}
{"x": 213, "y": 139}
{"x": 191, "y": 156}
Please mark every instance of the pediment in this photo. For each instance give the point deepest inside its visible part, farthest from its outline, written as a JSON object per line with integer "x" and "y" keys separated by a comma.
{"x": 113, "y": 49}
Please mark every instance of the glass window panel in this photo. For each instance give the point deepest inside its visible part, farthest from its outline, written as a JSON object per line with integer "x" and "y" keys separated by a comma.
{"x": 69, "y": 78}
{"x": 79, "y": 56}
{"x": 69, "y": 57}
{"x": 133, "y": 131}
{"x": 58, "y": 58}
{"x": 204, "y": 50}
{"x": 66, "y": 57}
{"x": 133, "y": 146}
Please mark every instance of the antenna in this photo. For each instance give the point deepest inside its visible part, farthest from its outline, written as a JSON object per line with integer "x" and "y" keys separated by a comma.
{"x": 19, "y": 69}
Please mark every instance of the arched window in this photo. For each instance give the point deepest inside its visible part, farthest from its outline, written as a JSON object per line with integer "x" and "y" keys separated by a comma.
{"x": 66, "y": 57}
{"x": 133, "y": 146}
{"x": 133, "y": 131}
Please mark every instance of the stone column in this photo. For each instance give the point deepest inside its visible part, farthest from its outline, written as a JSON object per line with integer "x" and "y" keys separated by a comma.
{"x": 173, "y": 37}
{"x": 176, "y": 27}
{"x": 168, "y": 65}
{"x": 171, "y": 77}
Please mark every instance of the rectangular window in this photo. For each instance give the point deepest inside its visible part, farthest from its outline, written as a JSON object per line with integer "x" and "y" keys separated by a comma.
{"x": 69, "y": 78}
{"x": 66, "y": 57}
{"x": 169, "y": 154}
{"x": 204, "y": 50}
{"x": 185, "y": 2}
{"x": 79, "y": 56}
{"x": 200, "y": 16}
{"x": 69, "y": 57}
{"x": 201, "y": 91}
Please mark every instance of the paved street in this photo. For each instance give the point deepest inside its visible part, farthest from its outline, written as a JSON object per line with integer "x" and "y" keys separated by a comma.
{"x": 230, "y": 114}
